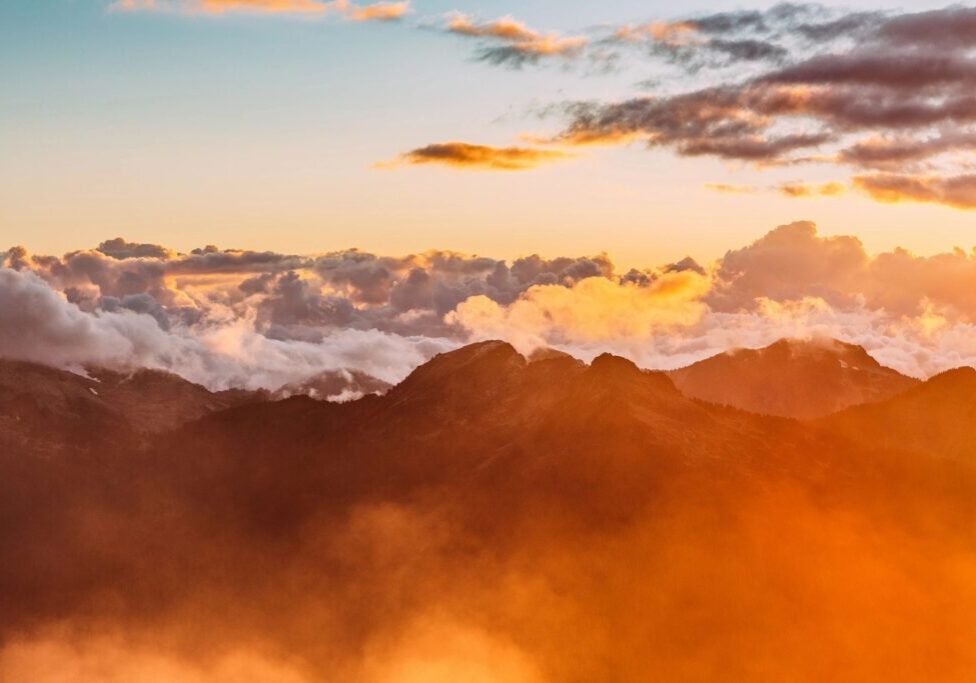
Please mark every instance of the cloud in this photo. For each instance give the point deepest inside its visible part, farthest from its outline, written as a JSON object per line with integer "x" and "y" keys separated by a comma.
{"x": 379, "y": 11}
{"x": 517, "y": 44}
{"x": 911, "y": 312}
{"x": 592, "y": 310}
{"x": 479, "y": 157}
{"x": 790, "y": 263}
{"x": 120, "y": 249}
{"x": 802, "y": 190}
{"x": 742, "y": 39}
{"x": 39, "y": 324}
{"x": 724, "y": 188}
{"x": 957, "y": 191}
{"x": 861, "y": 90}
{"x": 233, "y": 318}
{"x": 792, "y": 190}
{"x": 224, "y": 6}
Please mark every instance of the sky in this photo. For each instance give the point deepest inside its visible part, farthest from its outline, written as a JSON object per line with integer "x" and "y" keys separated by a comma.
{"x": 289, "y": 127}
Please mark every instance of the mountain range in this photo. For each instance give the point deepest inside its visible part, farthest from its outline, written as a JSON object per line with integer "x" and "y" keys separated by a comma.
{"x": 536, "y": 518}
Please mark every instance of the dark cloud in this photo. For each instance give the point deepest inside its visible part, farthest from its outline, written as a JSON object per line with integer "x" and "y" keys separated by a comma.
{"x": 894, "y": 153}
{"x": 119, "y": 248}
{"x": 852, "y": 25}
{"x": 711, "y": 122}
{"x": 952, "y": 28}
{"x": 897, "y": 98}
{"x": 749, "y": 50}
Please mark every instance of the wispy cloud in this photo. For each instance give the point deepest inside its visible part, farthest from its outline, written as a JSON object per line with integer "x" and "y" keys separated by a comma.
{"x": 956, "y": 191}
{"x": 804, "y": 190}
{"x": 478, "y": 157}
{"x": 725, "y": 188}
{"x": 378, "y": 11}
{"x": 512, "y": 43}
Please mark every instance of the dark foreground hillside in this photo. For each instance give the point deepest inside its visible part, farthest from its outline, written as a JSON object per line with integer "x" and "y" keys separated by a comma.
{"x": 490, "y": 519}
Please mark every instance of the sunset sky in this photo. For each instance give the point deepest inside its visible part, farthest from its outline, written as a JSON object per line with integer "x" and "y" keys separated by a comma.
{"x": 300, "y": 126}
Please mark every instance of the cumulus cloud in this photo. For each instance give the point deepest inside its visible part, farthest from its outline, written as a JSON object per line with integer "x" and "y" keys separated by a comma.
{"x": 480, "y": 157}
{"x": 911, "y": 312}
{"x": 230, "y": 318}
{"x": 39, "y": 324}
{"x": 594, "y": 310}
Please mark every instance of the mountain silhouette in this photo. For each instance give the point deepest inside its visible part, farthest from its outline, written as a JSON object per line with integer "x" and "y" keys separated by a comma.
{"x": 492, "y": 514}
{"x": 802, "y": 379}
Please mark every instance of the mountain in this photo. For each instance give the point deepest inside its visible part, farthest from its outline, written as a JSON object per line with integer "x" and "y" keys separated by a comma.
{"x": 493, "y": 517}
{"x": 45, "y": 405}
{"x": 801, "y": 379}
{"x": 937, "y": 417}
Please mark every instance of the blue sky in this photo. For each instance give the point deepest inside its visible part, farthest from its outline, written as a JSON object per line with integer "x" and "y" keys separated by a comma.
{"x": 262, "y": 131}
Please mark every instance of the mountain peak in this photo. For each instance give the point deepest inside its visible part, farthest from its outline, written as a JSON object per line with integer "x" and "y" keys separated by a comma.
{"x": 607, "y": 363}
{"x": 547, "y": 353}
{"x": 799, "y": 378}
{"x": 475, "y": 371}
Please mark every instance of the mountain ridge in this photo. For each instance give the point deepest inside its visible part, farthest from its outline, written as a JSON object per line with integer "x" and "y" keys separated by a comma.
{"x": 802, "y": 379}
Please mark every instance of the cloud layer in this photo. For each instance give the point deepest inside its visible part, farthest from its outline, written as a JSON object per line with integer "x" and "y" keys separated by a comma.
{"x": 885, "y": 95}
{"x": 233, "y": 318}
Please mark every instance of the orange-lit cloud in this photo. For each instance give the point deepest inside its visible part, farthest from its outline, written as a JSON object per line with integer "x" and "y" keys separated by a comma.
{"x": 479, "y": 157}
{"x": 222, "y": 6}
{"x": 723, "y": 188}
{"x": 592, "y": 310}
{"x": 862, "y": 90}
{"x": 793, "y": 190}
{"x": 802, "y": 190}
{"x": 957, "y": 191}
{"x": 379, "y": 11}
{"x": 672, "y": 33}
{"x": 518, "y": 42}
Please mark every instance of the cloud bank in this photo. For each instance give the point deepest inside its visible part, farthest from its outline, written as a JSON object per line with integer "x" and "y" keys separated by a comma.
{"x": 889, "y": 96}
{"x": 234, "y": 318}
